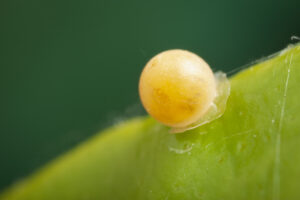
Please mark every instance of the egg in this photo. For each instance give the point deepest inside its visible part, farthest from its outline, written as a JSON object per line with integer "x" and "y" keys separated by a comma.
{"x": 177, "y": 87}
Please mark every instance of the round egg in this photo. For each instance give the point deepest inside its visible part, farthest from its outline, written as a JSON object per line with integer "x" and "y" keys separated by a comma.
{"x": 177, "y": 88}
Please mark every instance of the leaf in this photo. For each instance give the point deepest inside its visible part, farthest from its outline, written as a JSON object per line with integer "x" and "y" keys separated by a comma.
{"x": 251, "y": 152}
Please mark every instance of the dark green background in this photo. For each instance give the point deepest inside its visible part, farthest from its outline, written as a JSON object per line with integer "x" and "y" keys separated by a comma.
{"x": 71, "y": 68}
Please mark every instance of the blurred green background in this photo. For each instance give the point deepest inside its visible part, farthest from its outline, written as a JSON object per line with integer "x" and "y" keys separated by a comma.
{"x": 71, "y": 68}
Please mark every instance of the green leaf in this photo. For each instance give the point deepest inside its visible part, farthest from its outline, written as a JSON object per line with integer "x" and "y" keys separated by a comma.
{"x": 251, "y": 152}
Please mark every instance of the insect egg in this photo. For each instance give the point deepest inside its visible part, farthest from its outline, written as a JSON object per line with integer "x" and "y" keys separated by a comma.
{"x": 179, "y": 89}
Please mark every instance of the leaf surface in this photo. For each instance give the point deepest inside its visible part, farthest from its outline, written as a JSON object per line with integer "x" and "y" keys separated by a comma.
{"x": 251, "y": 152}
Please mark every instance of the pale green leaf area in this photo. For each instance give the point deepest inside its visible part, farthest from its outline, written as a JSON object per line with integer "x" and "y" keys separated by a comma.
{"x": 251, "y": 152}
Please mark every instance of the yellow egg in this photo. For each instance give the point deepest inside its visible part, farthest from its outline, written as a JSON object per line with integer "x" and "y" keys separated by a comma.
{"x": 177, "y": 88}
